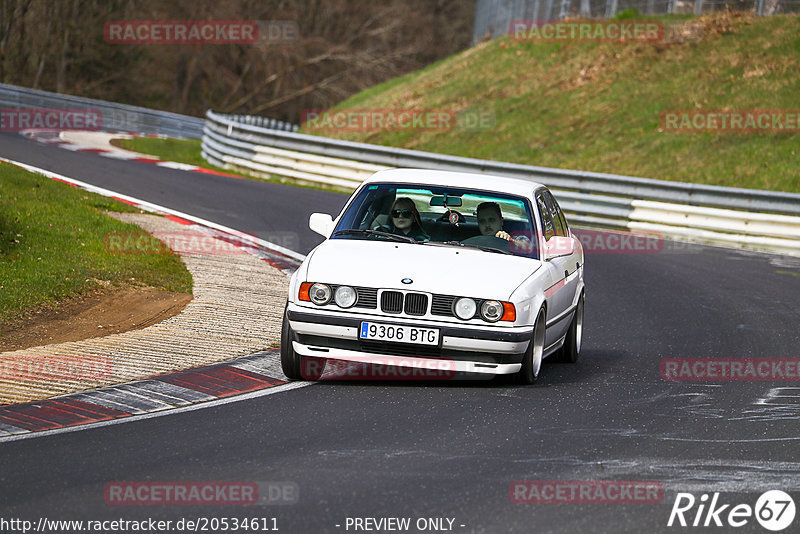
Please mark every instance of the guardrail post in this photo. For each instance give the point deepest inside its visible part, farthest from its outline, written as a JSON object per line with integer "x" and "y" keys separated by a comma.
{"x": 611, "y": 8}
{"x": 698, "y": 7}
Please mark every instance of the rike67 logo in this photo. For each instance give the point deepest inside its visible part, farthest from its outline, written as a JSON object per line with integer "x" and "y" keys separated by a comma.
{"x": 774, "y": 510}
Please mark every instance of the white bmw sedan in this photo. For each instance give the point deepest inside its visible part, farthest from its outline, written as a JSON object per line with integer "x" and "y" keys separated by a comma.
{"x": 438, "y": 270}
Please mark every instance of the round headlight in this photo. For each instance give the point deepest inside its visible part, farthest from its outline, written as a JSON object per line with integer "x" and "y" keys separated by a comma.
{"x": 345, "y": 296}
{"x": 491, "y": 310}
{"x": 320, "y": 294}
{"x": 465, "y": 308}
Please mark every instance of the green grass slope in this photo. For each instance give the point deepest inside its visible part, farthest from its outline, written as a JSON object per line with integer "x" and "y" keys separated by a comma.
{"x": 597, "y": 106}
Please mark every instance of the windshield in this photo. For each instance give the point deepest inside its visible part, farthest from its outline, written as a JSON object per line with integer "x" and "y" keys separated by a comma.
{"x": 444, "y": 216}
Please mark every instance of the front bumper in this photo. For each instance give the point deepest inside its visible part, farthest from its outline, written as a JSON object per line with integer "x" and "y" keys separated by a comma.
{"x": 466, "y": 348}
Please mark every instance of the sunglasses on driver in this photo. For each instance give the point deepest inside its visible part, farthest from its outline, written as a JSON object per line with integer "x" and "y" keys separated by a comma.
{"x": 405, "y": 214}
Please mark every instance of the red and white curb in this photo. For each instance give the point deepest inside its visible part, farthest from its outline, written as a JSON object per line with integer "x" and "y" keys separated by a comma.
{"x": 99, "y": 143}
{"x": 239, "y": 379}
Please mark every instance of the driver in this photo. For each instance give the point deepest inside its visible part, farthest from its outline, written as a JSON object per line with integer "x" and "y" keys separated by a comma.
{"x": 490, "y": 222}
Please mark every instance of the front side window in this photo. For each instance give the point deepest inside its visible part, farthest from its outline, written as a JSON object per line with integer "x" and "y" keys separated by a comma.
{"x": 448, "y": 216}
{"x": 559, "y": 221}
{"x": 548, "y": 227}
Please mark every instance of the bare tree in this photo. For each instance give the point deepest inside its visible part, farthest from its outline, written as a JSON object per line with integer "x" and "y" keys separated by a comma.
{"x": 344, "y": 46}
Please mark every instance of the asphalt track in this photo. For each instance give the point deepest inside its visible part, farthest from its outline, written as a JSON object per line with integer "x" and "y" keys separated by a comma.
{"x": 452, "y": 449}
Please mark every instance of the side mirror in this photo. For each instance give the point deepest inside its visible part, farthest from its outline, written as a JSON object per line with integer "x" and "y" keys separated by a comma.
{"x": 559, "y": 246}
{"x": 321, "y": 223}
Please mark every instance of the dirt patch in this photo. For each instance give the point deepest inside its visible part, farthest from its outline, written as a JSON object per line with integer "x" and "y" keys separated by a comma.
{"x": 107, "y": 311}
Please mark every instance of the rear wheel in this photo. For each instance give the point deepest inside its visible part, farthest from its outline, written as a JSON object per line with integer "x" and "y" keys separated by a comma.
{"x": 532, "y": 361}
{"x": 571, "y": 349}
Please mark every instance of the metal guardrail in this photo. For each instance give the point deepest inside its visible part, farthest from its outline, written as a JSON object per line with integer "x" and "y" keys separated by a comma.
{"x": 265, "y": 122}
{"x": 226, "y": 130}
{"x": 115, "y": 117}
{"x": 757, "y": 219}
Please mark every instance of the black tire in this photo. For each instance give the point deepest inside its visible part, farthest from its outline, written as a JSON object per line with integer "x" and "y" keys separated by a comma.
{"x": 290, "y": 361}
{"x": 571, "y": 349}
{"x": 532, "y": 361}
{"x": 294, "y": 366}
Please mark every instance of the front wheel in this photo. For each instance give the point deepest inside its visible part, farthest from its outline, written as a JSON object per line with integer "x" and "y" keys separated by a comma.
{"x": 290, "y": 361}
{"x": 532, "y": 361}
{"x": 571, "y": 349}
{"x": 294, "y": 366}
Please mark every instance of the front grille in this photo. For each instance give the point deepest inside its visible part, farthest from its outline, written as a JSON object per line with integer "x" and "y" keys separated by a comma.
{"x": 397, "y": 302}
{"x": 442, "y": 305}
{"x": 367, "y": 297}
{"x": 416, "y": 303}
{"x": 391, "y": 302}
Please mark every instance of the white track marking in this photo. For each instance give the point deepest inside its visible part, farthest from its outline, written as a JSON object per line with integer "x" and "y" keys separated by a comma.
{"x": 210, "y": 404}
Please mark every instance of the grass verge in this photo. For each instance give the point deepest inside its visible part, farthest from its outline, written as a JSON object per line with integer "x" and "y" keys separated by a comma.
{"x": 52, "y": 246}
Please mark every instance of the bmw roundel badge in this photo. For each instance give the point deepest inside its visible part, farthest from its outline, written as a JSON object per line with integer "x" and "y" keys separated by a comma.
{"x": 407, "y": 281}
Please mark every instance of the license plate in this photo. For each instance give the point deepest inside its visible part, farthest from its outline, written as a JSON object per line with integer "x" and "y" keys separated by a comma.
{"x": 399, "y": 333}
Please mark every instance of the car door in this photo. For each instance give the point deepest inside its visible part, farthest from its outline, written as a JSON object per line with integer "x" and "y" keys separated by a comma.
{"x": 556, "y": 264}
{"x": 573, "y": 257}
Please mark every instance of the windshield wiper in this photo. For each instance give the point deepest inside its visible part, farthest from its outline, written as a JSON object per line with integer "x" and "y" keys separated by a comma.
{"x": 460, "y": 244}
{"x": 394, "y": 237}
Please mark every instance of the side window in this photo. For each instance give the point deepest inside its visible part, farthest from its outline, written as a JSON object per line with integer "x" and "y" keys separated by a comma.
{"x": 547, "y": 218}
{"x": 554, "y": 212}
{"x": 561, "y": 217}
{"x": 558, "y": 215}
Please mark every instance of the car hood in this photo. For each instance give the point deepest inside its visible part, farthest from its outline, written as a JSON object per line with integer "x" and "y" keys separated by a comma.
{"x": 448, "y": 270}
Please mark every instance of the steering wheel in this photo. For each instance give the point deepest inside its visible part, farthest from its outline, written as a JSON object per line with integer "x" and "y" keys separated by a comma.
{"x": 487, "y": 241}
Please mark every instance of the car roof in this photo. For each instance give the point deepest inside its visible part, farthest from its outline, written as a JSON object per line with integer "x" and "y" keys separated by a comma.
{"x": 486, "y": 182}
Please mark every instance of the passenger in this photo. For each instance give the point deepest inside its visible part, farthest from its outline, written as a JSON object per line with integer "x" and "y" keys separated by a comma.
{"x": 406, "y": 220}
{"x": 490, "y": 222}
